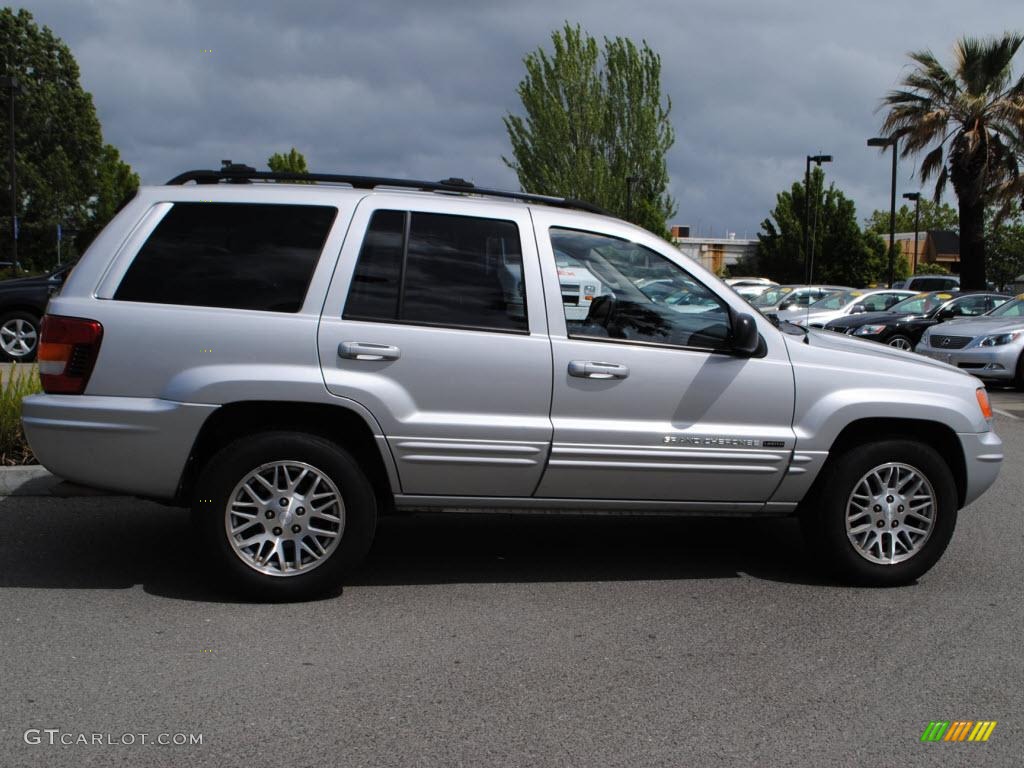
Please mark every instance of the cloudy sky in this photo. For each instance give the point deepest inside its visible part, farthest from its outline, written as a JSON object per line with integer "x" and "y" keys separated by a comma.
{"x": 418, "y": 89}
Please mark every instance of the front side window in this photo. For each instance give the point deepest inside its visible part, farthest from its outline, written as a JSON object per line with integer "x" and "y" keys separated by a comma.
{"x": 438, "y": 269}
{"x": 232, "y": 255}
{"x": 1013, "y": 308}
{"x": 614, "y": 289}
{"x": 970, "y": 306}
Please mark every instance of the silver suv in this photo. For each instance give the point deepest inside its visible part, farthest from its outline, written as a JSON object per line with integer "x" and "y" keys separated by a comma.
{"x": 294, "y": 360}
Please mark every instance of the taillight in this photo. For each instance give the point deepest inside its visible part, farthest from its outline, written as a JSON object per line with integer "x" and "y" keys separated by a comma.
{"x": 68, "y": 347}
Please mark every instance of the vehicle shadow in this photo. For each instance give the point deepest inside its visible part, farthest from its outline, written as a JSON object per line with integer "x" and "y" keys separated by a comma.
{"x": 100, "y": 543}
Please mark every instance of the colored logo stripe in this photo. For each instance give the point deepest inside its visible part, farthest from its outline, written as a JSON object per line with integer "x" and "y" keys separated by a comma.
{"x": 958, "y": 730}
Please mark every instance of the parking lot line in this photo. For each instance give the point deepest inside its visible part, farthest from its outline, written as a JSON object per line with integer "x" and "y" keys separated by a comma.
{"x": 1006, "y": 413}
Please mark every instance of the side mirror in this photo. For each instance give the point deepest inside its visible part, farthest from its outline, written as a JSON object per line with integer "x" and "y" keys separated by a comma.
{"x": 789, "y": 303}
{"x": 948, "y": 312}
{"x": 745, "y": 338}
{"x": 858, "y": 309}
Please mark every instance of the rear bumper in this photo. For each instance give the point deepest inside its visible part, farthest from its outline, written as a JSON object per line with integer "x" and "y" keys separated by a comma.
{"x": 125, "y": 444}
{"x": 983, "y": 455}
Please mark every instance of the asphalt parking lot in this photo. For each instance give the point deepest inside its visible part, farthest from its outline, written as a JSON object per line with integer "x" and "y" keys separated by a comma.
{"x": 505, "y": 641}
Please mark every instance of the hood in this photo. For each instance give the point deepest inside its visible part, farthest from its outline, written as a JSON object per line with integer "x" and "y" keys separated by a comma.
{"x": 24, "y": 282}
{"x": 979, "y": 326}
{"x": 874, "y": 354}
{"x": 876, "y": 318}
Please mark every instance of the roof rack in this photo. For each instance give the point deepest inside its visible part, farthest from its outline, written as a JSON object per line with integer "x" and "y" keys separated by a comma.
{"x": 235, "y": 173}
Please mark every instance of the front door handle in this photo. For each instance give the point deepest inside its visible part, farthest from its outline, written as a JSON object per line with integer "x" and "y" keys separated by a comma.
{"x": 588, "y": 369}
{"x": 363, "y": 350}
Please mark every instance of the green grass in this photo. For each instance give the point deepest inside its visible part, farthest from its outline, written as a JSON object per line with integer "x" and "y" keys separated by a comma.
{"x": 23, "y": 380}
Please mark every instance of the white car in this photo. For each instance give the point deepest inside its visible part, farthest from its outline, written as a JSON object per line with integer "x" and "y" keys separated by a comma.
{"x": 579, "y": 287}
{"x": 836, "y": 305}
{"x": 749, "y": 287}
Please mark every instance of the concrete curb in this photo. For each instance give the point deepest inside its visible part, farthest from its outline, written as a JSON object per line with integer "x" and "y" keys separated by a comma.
{"x": 37, "y": 481}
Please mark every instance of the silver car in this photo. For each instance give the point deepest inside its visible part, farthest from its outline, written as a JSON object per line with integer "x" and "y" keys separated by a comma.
{"x": 293, "y": 361}
{"x": 990, "y": 346}
{"x": 783, "y": 297}
{"x": 835, "y": 305}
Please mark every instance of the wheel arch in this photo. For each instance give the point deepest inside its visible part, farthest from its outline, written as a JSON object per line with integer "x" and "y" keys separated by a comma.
{"x": 347, "y": 425}
{"x": 872, "y": 430}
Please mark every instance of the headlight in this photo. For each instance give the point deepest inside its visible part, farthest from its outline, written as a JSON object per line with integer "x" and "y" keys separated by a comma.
{"x": 590, "y": 289}
{"x": 999, "y": 339}
{"x": 869, "y": 330}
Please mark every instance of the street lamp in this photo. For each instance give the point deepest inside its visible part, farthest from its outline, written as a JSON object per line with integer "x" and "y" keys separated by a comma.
{"x": 630, "y": 181}
{"x": 808, "y": 260}
{"x": 11, "y": 84}
{"x": 916, "y": 197}
{"x": 882, "y": 141}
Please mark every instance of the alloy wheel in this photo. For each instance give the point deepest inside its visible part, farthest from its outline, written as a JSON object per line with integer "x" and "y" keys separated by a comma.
{"x": 891, "y": 513}
{"x": 285, "y": 518}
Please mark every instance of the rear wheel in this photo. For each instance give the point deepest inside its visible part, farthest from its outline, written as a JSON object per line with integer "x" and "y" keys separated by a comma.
{"x": 285, "y": 514}
{"x": 901, "y": 342}
{"x": 19, "y": 336}
{"x": 885, "y": 513}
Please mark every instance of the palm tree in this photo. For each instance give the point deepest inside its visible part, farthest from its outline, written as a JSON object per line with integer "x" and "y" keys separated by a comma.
{"x": 968, "y": 118}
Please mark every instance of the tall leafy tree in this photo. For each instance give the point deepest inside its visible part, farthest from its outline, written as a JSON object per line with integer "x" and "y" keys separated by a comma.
{"x": 933, "y": 216}
{"x": 965, "y": 119}
{"x": 1006, "y": 246}
{"x": 292, "y": 162}
{"x": 843, "y": 253}
{"x": 596, "y": 126}
{"x": 57, "y": 135}
{"x": 115, "y": 183}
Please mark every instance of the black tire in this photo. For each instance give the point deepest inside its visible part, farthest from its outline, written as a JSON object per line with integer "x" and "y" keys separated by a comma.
{"x": 219, "y": 478}
{"x": 899, "y": 338}
{"x": 1018, "y": 380}
{"x": 824, "y": 518}
{"x": 6, "y": 339}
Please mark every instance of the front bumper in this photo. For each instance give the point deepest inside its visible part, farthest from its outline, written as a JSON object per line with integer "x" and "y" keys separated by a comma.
{"x": 126, "y": 444}
{"x": 983, "y": 362}
{"x": 983, "y": 456}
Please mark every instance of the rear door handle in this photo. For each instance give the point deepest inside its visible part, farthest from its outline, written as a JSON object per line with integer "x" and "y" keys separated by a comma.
{"x": 363, "y": 350}
{"x": 589, "y": 369}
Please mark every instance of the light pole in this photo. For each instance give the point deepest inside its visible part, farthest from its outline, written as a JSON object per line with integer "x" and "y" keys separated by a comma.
{"x": 808, "y": 260}
{"x": 11, "y": 84}
{"x": 916, "y": 197}
{"x": 882, "y": 141}
{"x": 630, "y": 181}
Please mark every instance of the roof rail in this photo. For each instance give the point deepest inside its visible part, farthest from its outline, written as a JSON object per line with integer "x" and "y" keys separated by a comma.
{"x": 235, "y": 173}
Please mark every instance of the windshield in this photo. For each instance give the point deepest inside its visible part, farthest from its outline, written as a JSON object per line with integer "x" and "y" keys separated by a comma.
{"x": 771, "y": 297}
{"x": 921, "y": 304}
{"x": 835, "y": 300}
{"x": 1013, "y": 308}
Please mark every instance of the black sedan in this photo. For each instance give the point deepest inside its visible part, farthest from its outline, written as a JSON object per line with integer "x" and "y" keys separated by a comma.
{"x": 902, "y": 325}
{"x": 22, "y": 305}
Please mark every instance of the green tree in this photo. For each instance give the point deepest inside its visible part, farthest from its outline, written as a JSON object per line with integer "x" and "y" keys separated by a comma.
{"x": 843, "y": 253}
{"x": 115, "y": 183}
{"x": 965, "y": 118}
{"x": 57, "y": 136}
{"x": 933, "y": 216}
{"x": 293, "y": 162}
{"x": 1006, "y": 248}
{"x": 926, "y": 268}
{"x": 596, "y": 127}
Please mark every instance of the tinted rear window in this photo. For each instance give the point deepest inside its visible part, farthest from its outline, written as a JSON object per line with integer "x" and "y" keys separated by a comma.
{"x": 233, "y": 255}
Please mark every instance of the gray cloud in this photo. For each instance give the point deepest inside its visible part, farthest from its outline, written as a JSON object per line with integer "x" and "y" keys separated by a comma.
{"x": 419, "y": 89}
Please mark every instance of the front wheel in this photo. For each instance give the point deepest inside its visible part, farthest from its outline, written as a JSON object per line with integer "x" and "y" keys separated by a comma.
{"x": 901, "y": 342}
{"x": 285, "y": 514}
{"x": 885, "y": 513}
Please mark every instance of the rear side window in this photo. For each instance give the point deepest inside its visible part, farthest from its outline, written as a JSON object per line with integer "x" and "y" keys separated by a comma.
{"x": 232, "y": 255}
{"x": 437, "y": 269}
